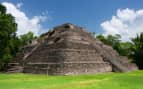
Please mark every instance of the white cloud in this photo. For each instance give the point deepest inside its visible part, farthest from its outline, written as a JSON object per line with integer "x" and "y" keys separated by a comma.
{"x": 25, "y": 24}
{"x": 127, "y": 23}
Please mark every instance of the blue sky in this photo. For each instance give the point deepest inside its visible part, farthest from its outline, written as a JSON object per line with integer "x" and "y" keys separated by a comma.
{"x": 86, "y": 13}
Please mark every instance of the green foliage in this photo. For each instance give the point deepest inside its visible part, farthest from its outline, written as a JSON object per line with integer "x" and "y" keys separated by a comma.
{"x": 9, "y": 43}
{"x": 2, "y": 9}
{"x": 138, "y": 50}
{"x": 27, "y": 38}
{"x": 101, "y": 38}
{"x": 125, "y": 49}
{"x": 132, "y": 80}
{"x": 111, "y": 40}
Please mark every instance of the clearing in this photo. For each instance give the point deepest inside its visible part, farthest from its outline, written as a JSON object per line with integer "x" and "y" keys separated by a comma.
{"x": 132, "y": 80}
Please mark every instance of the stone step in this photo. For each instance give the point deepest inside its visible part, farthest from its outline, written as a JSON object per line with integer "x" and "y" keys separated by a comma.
{"x": 68, "y": 58}
{"x": 15, "y": 69}
{"x": 13, "y": 64}
{"x": 90, "y": 62}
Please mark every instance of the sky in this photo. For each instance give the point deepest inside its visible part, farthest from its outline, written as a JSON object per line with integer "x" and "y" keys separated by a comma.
{"x": 124, "y": 17}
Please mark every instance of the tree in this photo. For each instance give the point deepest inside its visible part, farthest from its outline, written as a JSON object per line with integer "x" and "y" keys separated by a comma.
{"x": 8, "y": 40}
{"x": 2, "y": 9}
{"x": 27, "y": 38}
{"x": 101, "y": 38}
{"x": 138, "y": 50}
{"x": 110, "y": 40}
{"x": 113, "y": 40}
{"x": 123, "y": 48}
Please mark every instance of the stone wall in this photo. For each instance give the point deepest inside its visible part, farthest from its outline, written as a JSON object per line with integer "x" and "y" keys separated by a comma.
{"x": 68, "y": 68}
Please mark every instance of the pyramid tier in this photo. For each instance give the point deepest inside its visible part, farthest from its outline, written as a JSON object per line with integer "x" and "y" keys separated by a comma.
{"x": 67, "y": 68}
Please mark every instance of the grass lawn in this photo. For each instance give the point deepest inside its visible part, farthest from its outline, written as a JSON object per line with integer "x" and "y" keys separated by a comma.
{"x": 133, "y": 80}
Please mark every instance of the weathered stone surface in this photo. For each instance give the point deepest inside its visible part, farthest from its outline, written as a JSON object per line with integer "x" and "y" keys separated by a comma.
{"x": 70, "y": 50}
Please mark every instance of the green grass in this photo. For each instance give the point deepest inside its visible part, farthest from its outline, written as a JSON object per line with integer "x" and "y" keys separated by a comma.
{"x": 133, "y": 80}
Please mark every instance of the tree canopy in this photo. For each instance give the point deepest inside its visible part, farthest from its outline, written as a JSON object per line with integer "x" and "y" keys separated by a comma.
{"x": 27, "y": 38}
{"x": 8, "y": 40}
{"x": 138, "y": 50}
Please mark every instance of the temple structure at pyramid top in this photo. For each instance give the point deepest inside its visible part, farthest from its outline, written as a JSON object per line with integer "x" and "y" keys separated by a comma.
{"x": 70, "y": 50}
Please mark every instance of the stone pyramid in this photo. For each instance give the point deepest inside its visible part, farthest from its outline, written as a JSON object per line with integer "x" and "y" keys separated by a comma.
{"x": 70, "y": 50}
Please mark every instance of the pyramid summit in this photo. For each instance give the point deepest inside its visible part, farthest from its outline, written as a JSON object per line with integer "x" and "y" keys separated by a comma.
{"x": 70, "y": 50}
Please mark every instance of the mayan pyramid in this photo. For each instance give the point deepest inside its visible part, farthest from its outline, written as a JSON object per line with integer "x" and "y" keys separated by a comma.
{"x": 70, "y": 50}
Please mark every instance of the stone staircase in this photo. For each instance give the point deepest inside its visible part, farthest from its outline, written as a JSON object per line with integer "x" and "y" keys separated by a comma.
{"x": 31, "y": 50}
{"x": 14, "y": 67}
{"x": 119, "y": 63}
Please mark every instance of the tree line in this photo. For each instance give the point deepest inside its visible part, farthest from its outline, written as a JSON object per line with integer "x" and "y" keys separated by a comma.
{"x": 10, "y": 43}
